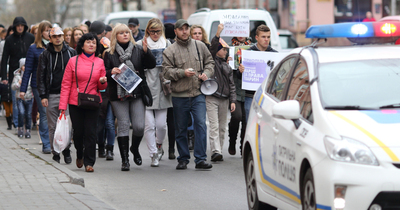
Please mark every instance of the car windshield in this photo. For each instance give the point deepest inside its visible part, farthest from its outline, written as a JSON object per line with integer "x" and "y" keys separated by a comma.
{"x": 365, "y": 84}
{"x": 142, "y": 21}
{"x": 287, "y": 42}
{"x": 253, "y": 27}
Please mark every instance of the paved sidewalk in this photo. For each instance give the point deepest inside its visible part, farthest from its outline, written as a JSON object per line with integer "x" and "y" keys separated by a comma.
{"x": 29, "y": 179}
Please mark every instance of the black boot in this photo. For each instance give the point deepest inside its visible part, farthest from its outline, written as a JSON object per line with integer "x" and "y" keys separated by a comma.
{"x": 123, "y": 144}
{"x": 101, "y": 151}
{"x": 110, "y": 153}
{"x": 232, "y": 147}
{"x": 135, "y": 149}
{"x": 9, "y": 123}
{"x": 190, "y": 137}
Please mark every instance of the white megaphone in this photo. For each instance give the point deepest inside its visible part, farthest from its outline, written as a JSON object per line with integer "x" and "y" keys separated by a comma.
{"x": 209, "y": 87}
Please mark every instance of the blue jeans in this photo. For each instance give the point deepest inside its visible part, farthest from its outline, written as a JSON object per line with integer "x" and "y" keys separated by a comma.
{"x": 182, "y": 109}
{"x": 15, "y": 108}
{"x": 106, "y": 128}
{"x": 43, "y": 128}
{"x": 25, "y": 112}
{"x": 247, "y": 105}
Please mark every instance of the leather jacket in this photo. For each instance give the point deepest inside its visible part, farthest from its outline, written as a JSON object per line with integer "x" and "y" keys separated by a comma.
{"x": 45, "y": 67}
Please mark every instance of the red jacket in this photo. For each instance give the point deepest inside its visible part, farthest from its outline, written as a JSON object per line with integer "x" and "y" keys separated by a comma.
{"x": 69, "y": 93}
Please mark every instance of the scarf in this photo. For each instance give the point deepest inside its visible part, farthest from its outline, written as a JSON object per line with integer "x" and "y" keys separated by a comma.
{"x": 236, "y": 42}
{"x": 159, "y": 44}
{"x": 125, "y": 57}
{"x": 45, "y": 42}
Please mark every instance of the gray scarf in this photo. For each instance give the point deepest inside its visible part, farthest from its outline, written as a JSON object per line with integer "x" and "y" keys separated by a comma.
{"x": 124, "y": 57}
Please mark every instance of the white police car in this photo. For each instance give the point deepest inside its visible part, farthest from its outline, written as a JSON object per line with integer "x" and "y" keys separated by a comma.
{"x": 323, "y": 130}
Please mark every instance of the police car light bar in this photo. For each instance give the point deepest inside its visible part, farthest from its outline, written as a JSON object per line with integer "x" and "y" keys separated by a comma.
{"x": 355, "y": 30}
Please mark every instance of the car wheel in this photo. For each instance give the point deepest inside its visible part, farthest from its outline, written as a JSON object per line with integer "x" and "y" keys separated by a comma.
{"x": 251, "y": 186}
{"x": 308, "y": 192}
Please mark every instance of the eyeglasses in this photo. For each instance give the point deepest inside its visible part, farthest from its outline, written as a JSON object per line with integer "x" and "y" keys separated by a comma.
{"x": 155, "y": 32}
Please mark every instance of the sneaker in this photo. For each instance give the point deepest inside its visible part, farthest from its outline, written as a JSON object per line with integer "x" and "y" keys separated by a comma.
{"x": 171, "y": 156}
{"x": 56, "y": 157}
{"x": 181, "y": 165}
{"x": 20, "y": 132}
{"x": 28, "y": 134}
{"x": 160, "y": 151}
{"x": 46, "y": 151}
{"x": 217, "y": 157}
{"x": 154, "y": 160}
{"x": 203, "y": 165}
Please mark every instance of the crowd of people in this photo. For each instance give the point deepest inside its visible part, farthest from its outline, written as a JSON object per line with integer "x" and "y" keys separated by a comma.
{"x": 51, "y": 71}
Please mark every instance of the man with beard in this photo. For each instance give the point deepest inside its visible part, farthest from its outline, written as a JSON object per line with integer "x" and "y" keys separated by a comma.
{"x": 50, "y": 72}
{"x": 187, "y": 63}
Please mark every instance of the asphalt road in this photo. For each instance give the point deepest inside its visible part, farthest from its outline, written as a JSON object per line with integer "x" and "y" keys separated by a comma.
{"x": 164, "y": 187}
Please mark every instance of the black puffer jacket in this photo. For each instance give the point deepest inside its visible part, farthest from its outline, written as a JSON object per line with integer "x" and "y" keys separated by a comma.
{"x": 140, "y": 60}
{"x": 15, "y": 48}
{"x": 223, "y": 74}
{"x": 47, "y": 59}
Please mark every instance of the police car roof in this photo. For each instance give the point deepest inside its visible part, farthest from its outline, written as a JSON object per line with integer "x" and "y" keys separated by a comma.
{"x": 351, "y": 53}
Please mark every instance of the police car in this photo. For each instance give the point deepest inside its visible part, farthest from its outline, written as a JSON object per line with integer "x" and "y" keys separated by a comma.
{"x": 323, "y": 130}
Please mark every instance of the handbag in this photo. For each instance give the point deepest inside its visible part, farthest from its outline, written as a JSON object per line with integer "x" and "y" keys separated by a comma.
{"x": 85, "y": 100}
{"x": 146, "y": 94}
{"x": 165, "y": 85}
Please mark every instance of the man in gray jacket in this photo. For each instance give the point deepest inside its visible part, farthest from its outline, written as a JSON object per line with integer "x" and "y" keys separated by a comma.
{"x": 187, "y": 63}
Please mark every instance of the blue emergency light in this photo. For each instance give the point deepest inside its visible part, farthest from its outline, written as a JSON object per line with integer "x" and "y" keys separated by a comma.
{"x": 355, "y": 30}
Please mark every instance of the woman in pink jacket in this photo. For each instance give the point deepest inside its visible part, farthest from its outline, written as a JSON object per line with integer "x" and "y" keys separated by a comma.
{"x": 91, "y": 76}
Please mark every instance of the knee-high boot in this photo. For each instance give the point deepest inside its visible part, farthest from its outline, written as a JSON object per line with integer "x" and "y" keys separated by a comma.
{"x": 123, "y": 144}
{"x": 9, "y": 123}
{"x": 135, "y": 149}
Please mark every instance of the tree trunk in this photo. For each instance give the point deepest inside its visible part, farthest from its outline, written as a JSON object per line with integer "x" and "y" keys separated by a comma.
{"x": 202, "y": 4}
{"x": 124, "y": 5}
{"x": 178, "y": 9}
{"x": 139, "y": 5}
{"x": 67, "y": 3}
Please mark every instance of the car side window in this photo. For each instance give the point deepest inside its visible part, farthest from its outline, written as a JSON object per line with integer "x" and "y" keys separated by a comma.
{"x": 299, "y": 90}
{"x": 278, "y": 81}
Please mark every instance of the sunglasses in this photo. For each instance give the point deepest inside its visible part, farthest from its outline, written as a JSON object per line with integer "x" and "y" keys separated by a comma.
{"x": 155, "y": 32}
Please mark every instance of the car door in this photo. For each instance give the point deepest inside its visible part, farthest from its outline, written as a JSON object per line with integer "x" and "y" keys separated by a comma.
{"x": 288, "y": 136}
{"x": 266, "y": 138}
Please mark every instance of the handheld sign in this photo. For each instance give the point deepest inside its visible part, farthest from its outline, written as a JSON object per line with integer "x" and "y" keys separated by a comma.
{"x": 235, "y": 25}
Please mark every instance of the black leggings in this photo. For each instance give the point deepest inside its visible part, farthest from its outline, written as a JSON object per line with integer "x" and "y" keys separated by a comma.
{"x": 239, "y": 115}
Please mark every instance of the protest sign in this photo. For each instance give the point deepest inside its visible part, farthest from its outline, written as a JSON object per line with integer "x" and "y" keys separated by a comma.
{"x": 237, "y": 55}
{"x": 257, "y": 66}
{"x": 235, "y": 24}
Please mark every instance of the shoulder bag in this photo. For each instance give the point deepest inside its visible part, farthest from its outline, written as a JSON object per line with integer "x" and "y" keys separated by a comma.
{"x": 86, "y": 101}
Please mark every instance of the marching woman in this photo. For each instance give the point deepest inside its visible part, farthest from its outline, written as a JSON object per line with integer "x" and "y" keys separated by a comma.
{"x": 156, "y": 115}
{"x": 32, "y": 60}
{"x": 123, "y": 49}
{"x": 84, "y": 73}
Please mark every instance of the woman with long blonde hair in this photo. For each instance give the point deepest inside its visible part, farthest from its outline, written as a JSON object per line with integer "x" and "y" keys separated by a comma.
{"x": 197, "y": 32}
{"x": 32, "y": 58}
{"x": 156, "y": 115}
{"x": 123, "y": 49}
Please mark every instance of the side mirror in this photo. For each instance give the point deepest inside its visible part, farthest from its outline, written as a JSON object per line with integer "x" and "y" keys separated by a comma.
{"x": 287, "y": 110}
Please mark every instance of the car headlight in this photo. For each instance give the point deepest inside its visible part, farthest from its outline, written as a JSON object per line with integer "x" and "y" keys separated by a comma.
{"x": 349, "y": 150}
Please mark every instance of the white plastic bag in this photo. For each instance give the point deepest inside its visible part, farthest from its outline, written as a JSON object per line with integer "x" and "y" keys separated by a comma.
{"x": 62, "y": 134}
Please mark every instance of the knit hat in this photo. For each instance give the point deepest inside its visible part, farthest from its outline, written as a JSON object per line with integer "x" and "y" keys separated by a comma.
{"x": 97, "y": 27}
{"x": 169, "y": 31}
{"x": 21, "y": 62}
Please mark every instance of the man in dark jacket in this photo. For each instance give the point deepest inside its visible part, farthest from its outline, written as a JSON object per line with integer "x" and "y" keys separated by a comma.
{"x": 50, "y": 72}
{"x": 137, "y": 33}
{"x": 263, "y": 37}
{"x": 15, "y": 48}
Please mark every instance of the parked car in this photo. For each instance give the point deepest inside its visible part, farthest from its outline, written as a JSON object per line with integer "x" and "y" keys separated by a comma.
{"x": 322, "y": 129}
{"x": 209, "y": 19}
{"x": 287, "y": 39}
{"x": 123, "y": 17}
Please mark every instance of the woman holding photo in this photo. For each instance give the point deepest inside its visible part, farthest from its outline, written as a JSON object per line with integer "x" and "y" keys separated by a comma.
{"x": 123, "y": 49}
{"x": 156, "y": 115}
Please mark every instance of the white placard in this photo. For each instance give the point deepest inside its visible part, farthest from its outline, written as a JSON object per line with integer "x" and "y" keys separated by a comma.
{"x": 231, "y": 61}
{"x": 235, "y": 25}
{"x": 257, "y": 66}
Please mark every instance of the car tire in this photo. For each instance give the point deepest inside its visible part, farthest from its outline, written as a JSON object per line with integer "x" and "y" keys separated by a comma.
{"x": 308, "y": 200}
{"x": 251, "y": 186}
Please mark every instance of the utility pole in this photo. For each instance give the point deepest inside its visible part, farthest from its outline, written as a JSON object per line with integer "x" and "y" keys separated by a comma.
{"x": 393, "y": 6}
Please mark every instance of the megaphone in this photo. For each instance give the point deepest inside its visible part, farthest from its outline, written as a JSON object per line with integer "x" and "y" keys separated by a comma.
{"x": 209, "y": 87}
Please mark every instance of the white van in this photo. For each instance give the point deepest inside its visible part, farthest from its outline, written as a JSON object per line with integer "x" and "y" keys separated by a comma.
{"x": 209, "y": 19}
{"x": 123, "y": 17}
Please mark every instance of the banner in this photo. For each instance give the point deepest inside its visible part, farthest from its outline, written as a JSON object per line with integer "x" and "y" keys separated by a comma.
{"x": 257, "y": 66}
{"x": 235, "y": 25}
